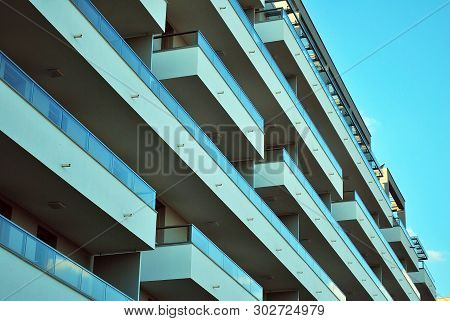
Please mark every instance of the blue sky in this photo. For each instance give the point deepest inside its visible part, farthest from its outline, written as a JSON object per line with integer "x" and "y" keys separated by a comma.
{"x": 403, "y": 93}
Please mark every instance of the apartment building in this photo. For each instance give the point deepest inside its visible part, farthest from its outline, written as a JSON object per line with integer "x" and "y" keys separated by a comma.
{"x": 189, "y": 150}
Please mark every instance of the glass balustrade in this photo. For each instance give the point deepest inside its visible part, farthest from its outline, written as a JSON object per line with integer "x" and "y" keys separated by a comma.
{"x": 37, "y": 97}
{"x": 287, "y": 159}
{"x": 265, "y": 52}
{"x": 143, "y": 72}
{"x": 191, "y": 234}
{"x": 326, "y": 79}
{"x": 196, "y": 38}
{"x": 40, "y": 255}
{"x": 386, "y": 244}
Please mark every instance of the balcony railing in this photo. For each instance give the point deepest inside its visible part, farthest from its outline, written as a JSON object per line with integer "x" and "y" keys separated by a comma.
{"x": 196, "y": 38}
{"x": 424, "y": 267}
{"x": 45, "y": 258}
{"x": 173, "y": 235}
{"x": 143, "y": 72}
{"x": 37, "y": 97}
{"x": 279, "y": 74}
{"x": 329, "y": 217}
{"x": 386, "y": 244}
{"x": 419, "y": 248}
{"x": 328, "y": 83}
{"x": 398, "y": 222}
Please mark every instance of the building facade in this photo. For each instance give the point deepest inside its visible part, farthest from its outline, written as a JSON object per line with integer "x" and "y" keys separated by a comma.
{"x": 189, "y": 150}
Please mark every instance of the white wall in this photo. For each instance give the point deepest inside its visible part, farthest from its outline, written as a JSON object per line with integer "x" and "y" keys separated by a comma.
{"x": 68, "y": 21}
{"x": 185, "y": 261}
{"x": 21, "y": 282}
{"x": 157, "y": 9}
{"x": 53, "y": 148}
{"x": 30, "y": 223}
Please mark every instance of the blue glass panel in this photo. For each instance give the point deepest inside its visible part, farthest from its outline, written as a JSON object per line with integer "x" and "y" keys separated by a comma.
{"x": 40, "y": 254}
{"x": 16, "y": 79}
{"x": 100, "y": 152}
{"x": 132, "y": 59}
{"x": 47, "y": 106}
{"x": 75, "y": 130}
{"x": 200, "y": 240}
{"x": 111, "y": 36}
{"x": 15, "y": 240}
{"x": 93, "y": 286}
{"x": 230, "y": 267}
{"x": 144, "y": 192}
{"x": 44, "y": 257}
{"x": 68, "y": 271}
{"x": 89, "y": 11}
{"x": 122, "y": 173}
{"x": 216, "y": 255}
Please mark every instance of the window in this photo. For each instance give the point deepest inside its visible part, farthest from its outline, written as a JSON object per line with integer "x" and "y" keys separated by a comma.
{"x": 47, "y": 237}
{"x": 5, "y": 210}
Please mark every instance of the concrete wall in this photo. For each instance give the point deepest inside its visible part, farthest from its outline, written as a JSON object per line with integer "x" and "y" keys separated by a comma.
{"x": 52, "y": 148}
{"x": 121, "y": 271}
{"x": 21, "y": 281}
{"x": 192, "y": 61}
{"x": 143, "y": 46}
{"x": 107, "y": 63}
{"x": 185, "y": 261}
{"x": 158, "y": 9}
{"x": 292, "y": 222}
{"x": 279, "y": 31}
{"x": 274, "y": 174}
{"x": 30, "y": 223}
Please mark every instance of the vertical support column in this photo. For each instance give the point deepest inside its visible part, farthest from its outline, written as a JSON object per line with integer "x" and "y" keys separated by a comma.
{"x": 404, "y": 263}
{"x": 378, "y": 270}
{"x": 293, "y": 150}
{"x": 143, "y": 46}
{"x": 292, "y": 222}
{"x": 293, "y": 81}
{"x": 246, "y": 169}
{"x": 251, "y": 14}
{"x": 326, "y": 198}
{"x": 376, "y": 218}
{"x": 122, "y": 271}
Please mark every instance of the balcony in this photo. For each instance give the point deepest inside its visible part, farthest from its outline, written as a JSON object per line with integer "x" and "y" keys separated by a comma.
{"x": 83, "y": 177}
{"x": 48, "y": 274}
{"x": 232, "y": 35}
{"x": 425, "y": 283}
{"x": 294, "y": 52}
{"x": 402, "y": 244}
{"x": 353, "y": 216}
{"x": 252, "y": 3}
{"x": 288, "y": 192}
{"x": 135, "y": 17}
{"x": 218, "y": 102}
{"x": 208, "y": 191}
{"x": 194, "y": 269}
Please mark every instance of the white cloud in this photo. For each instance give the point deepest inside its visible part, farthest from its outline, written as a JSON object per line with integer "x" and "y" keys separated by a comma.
{"x": 436, "y": 256}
